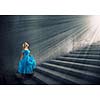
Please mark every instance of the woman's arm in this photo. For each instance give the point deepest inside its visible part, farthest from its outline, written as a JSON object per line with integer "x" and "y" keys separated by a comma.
{"x": 21, "y": 56}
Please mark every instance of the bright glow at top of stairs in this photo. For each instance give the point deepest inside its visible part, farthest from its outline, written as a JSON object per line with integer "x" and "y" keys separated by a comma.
{"x": 95, "y": 20}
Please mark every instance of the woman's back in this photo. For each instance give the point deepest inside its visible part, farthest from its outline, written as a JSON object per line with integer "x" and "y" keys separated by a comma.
{"x": 26, "y": 52}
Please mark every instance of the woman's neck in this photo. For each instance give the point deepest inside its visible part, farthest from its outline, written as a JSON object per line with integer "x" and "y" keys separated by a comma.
{"x": 26, "y": 48}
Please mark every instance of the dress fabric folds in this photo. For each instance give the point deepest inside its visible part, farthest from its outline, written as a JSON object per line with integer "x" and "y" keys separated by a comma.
{"x": 27, "y": 64}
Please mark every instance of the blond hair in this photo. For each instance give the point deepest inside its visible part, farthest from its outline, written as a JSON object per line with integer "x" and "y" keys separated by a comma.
{"x": 25, "y": 44}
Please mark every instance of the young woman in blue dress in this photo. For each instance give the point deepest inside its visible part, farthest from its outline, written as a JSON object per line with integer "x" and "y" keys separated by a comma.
{"x": 27, "y": 63}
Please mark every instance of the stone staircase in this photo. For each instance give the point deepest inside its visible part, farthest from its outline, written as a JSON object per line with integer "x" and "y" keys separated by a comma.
{"x": 81, "y": 66}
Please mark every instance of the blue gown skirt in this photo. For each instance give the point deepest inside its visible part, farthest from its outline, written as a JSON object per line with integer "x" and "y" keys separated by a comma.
{"x": 27, "y": 64}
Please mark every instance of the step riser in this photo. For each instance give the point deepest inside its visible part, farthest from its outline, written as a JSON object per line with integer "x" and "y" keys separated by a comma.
{"x": 85, "y": 68}
{"x": 87, "y": 50}
{"x": 80, "y": 75}
{"x": 87, "y": 53}
{"x": 80, "y": 61}
{"x": 40, "y": 82}
{"x": 64, "y": 81}
{"x": 80, "y": 56}
{"x": 91, "y": 48}
{"x": 46, "y": 79}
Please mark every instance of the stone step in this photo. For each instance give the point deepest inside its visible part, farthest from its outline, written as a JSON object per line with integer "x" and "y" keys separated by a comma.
{"x": 26, "y": 80}
{"x": 80, "y": 60}
{"x": 92, "y": 47}
{"x": 29, "y": 82}
{"x": 90, "y": 76}
{"x": 87, "y": 53}
{"x": 62, "y": 77}
{"x": 86, "y": 50}
{"x": 85, "y": 67}
{"x": 46, "y": 79}
{"x": 83, "y": 56}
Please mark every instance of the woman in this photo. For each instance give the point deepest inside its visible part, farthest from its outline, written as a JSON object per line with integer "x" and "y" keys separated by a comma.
{"x": 27, "y": 63}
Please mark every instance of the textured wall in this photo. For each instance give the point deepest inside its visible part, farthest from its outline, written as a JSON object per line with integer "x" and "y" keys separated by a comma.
{"x": 49, "y": 36}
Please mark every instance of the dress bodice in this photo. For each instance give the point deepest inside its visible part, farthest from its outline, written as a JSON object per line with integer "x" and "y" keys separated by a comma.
{"x": 26, "y": 52}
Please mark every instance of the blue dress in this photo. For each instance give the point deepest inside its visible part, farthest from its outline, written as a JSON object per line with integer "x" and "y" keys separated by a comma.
{"x": 27, "y": 64}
